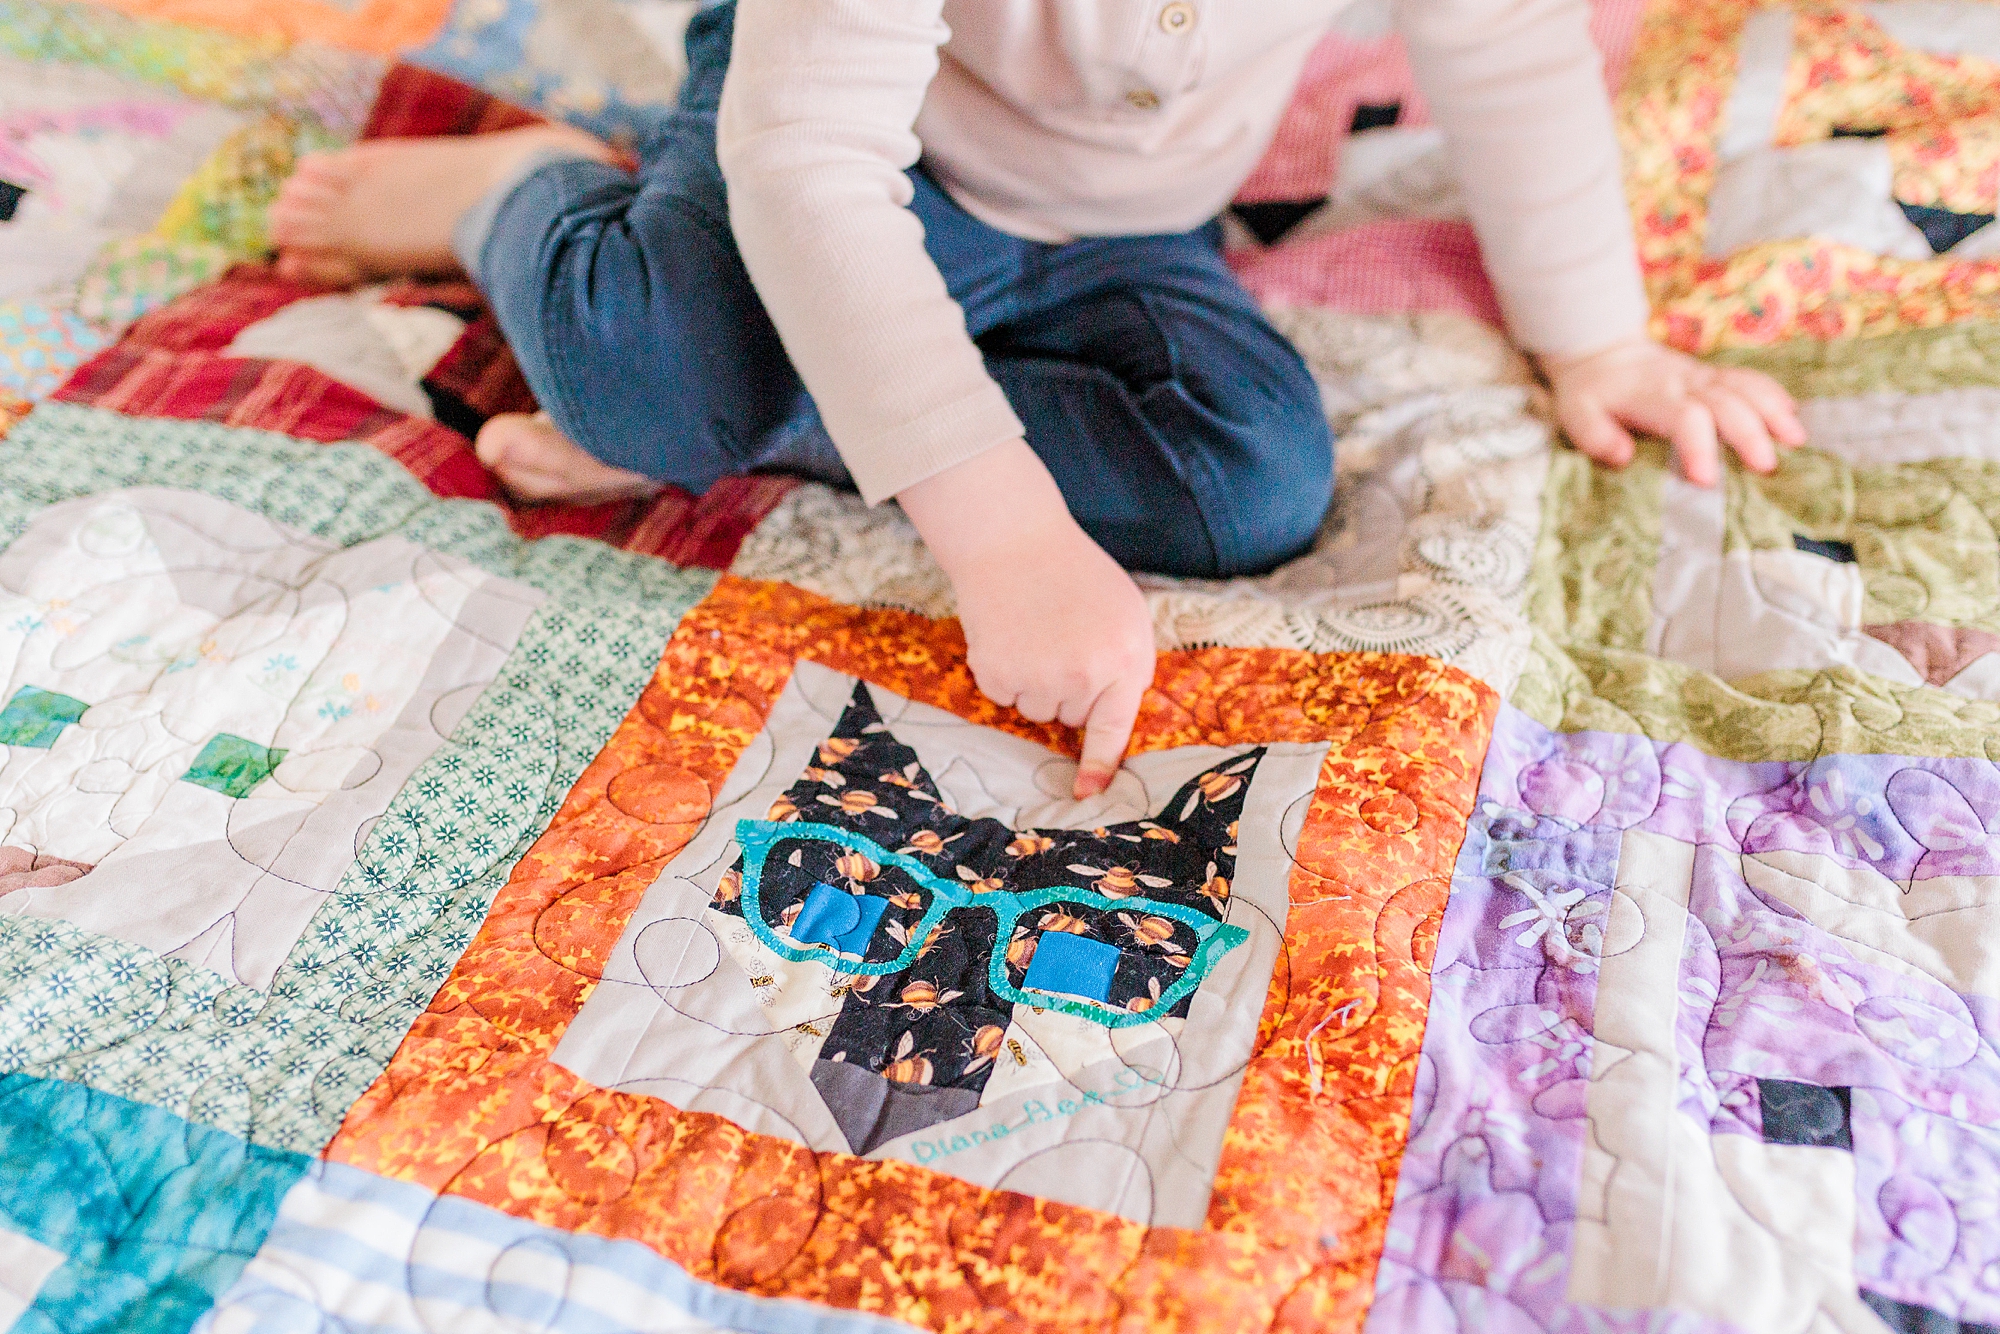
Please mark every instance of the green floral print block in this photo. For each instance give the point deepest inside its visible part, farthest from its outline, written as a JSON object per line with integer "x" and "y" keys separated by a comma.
{"x": 1906, "y": 361}
{"x": 232, "y": 766}
{"x": 36, "y": 717}
{"x": 1593, "y": 572}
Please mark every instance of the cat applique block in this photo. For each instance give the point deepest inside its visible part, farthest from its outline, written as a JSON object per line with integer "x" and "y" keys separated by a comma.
{"x": 897, "y": 936}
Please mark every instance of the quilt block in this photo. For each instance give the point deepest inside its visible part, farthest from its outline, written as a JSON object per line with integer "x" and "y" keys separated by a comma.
{"x": 1014, "y": 971}
{"x": 347, "y": 848}
{"x": 1702, "y": 1013}
{"x": 559, "y": 1103}
{"x": 1560, "y": 902}
{"x": 262, "y": 713}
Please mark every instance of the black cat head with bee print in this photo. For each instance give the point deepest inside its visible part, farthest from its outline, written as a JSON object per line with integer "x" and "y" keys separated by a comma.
{"x": 938, "y": 926}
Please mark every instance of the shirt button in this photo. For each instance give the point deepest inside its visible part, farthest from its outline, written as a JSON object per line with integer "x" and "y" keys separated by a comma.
{"x": 1143, "y": 99}
{"x": 1177, "y": 19}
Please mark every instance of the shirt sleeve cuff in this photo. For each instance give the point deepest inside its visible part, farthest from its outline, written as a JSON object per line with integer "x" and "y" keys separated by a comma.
{"x": 886, "y": 464}
{"x": 1588, "y": 309}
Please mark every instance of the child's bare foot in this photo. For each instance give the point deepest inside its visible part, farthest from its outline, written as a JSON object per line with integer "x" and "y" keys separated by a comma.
{"x": 386, "y": 207}
{"x": 535, "y": 461}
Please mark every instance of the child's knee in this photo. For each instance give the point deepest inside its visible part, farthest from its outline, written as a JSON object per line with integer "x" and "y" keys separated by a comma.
{"x": 1278, "y": 490}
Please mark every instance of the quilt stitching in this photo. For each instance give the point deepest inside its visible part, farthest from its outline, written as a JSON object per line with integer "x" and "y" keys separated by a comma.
{"x": 1338, "y": 1026}
{"x": 148, "y": 1218}
{"x": 280, "y": 1066}
{"x": 1881, "y": 653}
{"x": 1591, "y": 854}
{"x": 1709, "y": 1040}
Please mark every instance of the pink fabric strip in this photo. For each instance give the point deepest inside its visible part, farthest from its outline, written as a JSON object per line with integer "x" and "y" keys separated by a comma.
{"x": 1381, "y": 268}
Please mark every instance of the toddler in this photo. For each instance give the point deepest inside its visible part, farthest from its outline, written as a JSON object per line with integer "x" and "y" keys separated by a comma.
{"x": 963, "y": 253}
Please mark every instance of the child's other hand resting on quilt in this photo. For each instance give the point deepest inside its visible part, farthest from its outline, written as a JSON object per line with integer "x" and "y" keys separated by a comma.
{"x": 1638, "y": 383}
{"x": 1053, "y": 627}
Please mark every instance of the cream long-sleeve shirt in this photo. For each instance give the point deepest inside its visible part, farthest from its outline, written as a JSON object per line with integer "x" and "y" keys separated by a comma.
{"x": 1054, "y": 119}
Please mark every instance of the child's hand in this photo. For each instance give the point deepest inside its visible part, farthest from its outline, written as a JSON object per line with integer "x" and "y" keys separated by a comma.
{"x": 1053, "y": 627}
{"x": 1641, "y": 384}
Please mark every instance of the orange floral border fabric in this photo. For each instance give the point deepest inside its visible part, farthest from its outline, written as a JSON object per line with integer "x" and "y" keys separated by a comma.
{"x": 471, "y": 1105}
{"x": 383, "y": 27}
{"x": 1937, "y": 113}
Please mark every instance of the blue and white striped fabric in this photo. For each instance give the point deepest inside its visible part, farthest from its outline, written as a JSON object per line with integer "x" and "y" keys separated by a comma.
{"x": 353, "y": 1253}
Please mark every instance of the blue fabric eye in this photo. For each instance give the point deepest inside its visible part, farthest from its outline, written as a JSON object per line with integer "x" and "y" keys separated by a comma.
{"x": 1073, "y": 966}
{"x": 834, "y": 917}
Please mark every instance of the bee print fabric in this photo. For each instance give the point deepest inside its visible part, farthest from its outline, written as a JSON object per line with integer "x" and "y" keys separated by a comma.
{"x": 898, "y": 937}
{"x": 942, "y": 938}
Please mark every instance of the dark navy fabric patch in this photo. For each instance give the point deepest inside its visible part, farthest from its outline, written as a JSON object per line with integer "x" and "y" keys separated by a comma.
{"x": 1908, "y": 1318}
{"x": 1806, "y": 1114}
{"x": 871, "y": 1110}
{"x": 1374, "y": 116}
{"x": 1831, "y": 547}
{"x": 1268, "y": 222}
{"x": 1942, "y": 228}
{"x": 452, "y": 411}
{"x": 11, "y": 196}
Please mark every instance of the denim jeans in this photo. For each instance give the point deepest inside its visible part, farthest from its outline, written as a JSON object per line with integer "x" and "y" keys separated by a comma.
{"x": 1185, "y": 433}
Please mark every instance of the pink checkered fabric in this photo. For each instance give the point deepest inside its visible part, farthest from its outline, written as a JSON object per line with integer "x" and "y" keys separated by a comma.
{"x": 1380, "y": 268}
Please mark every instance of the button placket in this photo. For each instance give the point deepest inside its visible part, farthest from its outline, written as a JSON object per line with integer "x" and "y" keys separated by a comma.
{"x": 1168, "y": 55}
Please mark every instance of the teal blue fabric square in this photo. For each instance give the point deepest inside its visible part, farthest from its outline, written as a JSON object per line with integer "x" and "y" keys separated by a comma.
{"x": 1072, "y": 966}
{"x": 156, "y": 1215}
{"x": 840, "y": 919}
{"x": 36, "y": 717}
{"x": 232, "y": 766}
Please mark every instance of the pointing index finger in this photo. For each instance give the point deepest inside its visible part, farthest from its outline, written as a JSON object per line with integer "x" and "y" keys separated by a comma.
{"x": 1106, "y": 733}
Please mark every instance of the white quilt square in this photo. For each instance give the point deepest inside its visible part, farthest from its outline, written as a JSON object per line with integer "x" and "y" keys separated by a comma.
{"x": 203, "y": 711}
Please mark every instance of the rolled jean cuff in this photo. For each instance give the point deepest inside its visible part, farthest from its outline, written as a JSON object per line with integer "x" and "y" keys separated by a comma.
{"x": 475, "y": 225}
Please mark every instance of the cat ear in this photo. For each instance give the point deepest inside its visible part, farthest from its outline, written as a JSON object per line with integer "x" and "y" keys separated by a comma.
{"x": 873, "y": 784}
{"x": 860, "y": 717}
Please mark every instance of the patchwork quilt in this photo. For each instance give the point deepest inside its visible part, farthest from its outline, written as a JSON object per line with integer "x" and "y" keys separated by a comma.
{"x": 1563, "y": 902}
